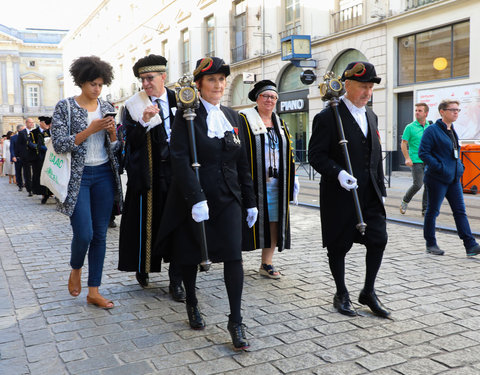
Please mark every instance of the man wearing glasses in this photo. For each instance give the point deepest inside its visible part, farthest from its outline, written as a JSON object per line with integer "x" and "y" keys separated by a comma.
{"x": 147, "y": 118}
{"x": 440, "y": 151}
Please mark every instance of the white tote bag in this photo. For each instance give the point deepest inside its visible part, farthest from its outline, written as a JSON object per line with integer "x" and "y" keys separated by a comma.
{"x": 56, "y": 168}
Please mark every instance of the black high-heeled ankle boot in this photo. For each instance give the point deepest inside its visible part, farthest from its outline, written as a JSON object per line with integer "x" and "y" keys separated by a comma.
{"x": 239, "y": 338}
{"x": 194, "y": 317}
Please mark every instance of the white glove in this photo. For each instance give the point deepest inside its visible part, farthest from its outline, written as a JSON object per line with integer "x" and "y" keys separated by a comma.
{"x": 383, "y": 200}
{"x": 348, "y": 182}
{"x": 200, "y": 211}
{"x": 296, "y": 190}
{"x": 252, "y": 214}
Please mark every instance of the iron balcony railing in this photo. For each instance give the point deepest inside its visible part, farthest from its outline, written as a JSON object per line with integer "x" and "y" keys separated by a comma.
{"x": 239, "y": 53}
{"x": 412, "y": 4}
{"x": 348, "y": 18}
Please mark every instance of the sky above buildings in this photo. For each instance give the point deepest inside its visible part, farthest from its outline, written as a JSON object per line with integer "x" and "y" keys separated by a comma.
{"x": 45, "y": 14}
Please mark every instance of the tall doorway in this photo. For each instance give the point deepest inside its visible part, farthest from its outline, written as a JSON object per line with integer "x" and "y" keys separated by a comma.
{"x": 404, "y": 117}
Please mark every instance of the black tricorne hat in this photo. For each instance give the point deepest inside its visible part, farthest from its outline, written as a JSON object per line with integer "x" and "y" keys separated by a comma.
{"x": 360, "y": 71}
{"x": 210, "y": 65}
{"x": 46, "y": 119}
{"x": 150, "y": 63}
{"x": 261, "y": 86}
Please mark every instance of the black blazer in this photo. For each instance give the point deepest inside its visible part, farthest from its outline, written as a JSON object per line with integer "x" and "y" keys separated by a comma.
{"x": 326, "y": 157}
{"x": 26, "y": 147}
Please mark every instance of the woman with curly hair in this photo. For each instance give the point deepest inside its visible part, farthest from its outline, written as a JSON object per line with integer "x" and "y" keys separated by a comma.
{"x": 80, "y": 127}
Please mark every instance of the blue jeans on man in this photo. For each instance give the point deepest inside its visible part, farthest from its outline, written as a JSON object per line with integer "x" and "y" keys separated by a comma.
{"x": 90, "y": 220}
{"x": 437, "y": 191}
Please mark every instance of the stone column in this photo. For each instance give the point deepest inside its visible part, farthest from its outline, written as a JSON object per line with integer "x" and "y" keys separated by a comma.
{"x": 17, "y": 87}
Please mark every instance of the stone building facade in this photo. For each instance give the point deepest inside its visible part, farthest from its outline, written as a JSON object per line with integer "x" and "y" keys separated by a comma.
{"x": 400, "y": 37}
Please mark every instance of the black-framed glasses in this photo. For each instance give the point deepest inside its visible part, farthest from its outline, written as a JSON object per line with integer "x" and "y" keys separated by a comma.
{"x": 147, "y": 78}
{"x": 457, "y": 110}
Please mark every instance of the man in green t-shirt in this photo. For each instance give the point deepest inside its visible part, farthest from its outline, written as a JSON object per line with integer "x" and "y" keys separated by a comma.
{"x": 411, "y": 138}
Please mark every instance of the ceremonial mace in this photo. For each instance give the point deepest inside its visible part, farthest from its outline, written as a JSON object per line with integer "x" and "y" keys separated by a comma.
{"x": 187, "y": 100}
{"x": 331, "y": 89}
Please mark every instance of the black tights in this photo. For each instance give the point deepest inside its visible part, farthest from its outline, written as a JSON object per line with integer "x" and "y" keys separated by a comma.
{"x": 233, "y": 275}
{"x": 336, "y": 261}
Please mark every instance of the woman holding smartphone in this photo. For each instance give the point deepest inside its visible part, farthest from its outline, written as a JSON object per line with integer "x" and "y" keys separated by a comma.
{"x": 83, "y": 126}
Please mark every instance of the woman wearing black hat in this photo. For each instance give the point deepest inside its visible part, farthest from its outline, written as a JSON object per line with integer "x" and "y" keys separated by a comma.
{"x": 271, "y": 159}
{"x": 222, "y": 198}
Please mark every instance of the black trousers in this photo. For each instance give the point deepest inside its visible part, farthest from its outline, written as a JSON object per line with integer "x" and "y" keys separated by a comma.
{"x": 27, "y": 175}
{"x": 18, "y": 172}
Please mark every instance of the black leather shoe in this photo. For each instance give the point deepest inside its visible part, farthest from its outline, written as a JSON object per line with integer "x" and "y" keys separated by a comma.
{"x": 195, "y": 317}
{"x": 142, "y": 278}
{"x": 30, "y": 194}
{"x": 371, "y": 300}
{"x": 44, "y": 199}
{"x": 177, "y": 292}
{"x": 20, "y": 188}
{"x": 343, "y": 305}
{"x": 239, "y": 338}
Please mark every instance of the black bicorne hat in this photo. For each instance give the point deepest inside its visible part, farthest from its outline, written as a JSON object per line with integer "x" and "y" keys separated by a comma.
{"x": 210, "y": 65}
{"x": 361, "y": 71}
{"x": 261, "y": 86}
{"x": 150, "y": 63}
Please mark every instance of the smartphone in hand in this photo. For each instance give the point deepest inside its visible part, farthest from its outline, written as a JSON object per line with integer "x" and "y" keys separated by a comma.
{"x": 108, "y": 114}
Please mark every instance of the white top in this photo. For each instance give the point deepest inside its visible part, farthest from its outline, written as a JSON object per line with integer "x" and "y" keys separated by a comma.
{"x": 96, "y": 151}
{"x": 359, "y": 114}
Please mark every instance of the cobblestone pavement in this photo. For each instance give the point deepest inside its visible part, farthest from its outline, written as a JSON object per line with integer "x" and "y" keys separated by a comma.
{"x": 435, "y": 303}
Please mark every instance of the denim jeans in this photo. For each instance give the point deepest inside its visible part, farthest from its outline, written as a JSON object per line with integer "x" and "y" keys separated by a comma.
{"x": 90, "y": 220}
{"x": 437, "y": 191}
{"x": 417, "y": 175}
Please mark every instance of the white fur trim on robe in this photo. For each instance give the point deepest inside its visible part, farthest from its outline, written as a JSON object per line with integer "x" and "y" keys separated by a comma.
{"x": 137, "y": 104}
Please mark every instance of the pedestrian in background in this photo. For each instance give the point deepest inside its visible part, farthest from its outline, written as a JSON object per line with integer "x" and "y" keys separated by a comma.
{"x": 39, "y": 134}
{"x": 272, "y": 165}
{"x": 411, "y": 138}
{"x": 8, "y": 165}
{"x": 28, "y": 153}
{"x": 16, "y": 157}
{"x": 440, "y": 151}
{"x": 94, "y": 181}
{"x": 337, "y": 208}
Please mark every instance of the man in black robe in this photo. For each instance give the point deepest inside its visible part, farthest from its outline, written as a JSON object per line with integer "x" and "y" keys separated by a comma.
{"x": 337, "y": 207}
{"x": 147, "y": 120}
{"x": 39, "y": 134}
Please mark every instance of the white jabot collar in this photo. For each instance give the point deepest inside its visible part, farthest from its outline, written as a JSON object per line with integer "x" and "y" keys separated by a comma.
{"x": 217, "y": 123}
{"x": 352, "y": 107}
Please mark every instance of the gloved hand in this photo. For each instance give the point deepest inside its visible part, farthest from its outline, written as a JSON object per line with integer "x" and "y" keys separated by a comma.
{"x": 296, "y": 191}
{"x": 383, "y": 200}
{"x": 252, "y": 214}
{"x": 347, "y": 181}
{"x": 200, "y": 211}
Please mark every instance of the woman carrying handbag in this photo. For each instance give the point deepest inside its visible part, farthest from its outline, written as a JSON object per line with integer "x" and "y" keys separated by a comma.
{"x": 94, "y": 180}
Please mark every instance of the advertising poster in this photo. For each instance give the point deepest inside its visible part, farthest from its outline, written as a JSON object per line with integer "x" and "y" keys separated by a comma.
{"x": 468, "y": 124}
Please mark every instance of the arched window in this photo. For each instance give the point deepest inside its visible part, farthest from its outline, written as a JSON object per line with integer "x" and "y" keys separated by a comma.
{"x": 240, "y": 92}
{"x": 290, "y": 80}
{"x": 345, "y": 58}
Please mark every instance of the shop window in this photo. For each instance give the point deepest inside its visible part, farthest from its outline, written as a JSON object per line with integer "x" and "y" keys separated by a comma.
{"x": 436, "y": 54}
